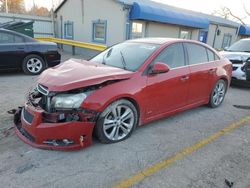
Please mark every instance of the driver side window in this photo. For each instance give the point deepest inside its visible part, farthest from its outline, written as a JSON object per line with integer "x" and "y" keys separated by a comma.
{"x": 173, "y": 56}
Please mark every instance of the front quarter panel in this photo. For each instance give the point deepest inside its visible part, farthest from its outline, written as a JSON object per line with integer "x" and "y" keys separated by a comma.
{"x": 131, "y": 89}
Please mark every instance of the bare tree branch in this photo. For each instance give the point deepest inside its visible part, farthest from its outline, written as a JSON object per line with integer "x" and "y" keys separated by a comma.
{"x": 225, "y": 12}
{"x": 233, "y": 15}
{"x": 245, "y": 9}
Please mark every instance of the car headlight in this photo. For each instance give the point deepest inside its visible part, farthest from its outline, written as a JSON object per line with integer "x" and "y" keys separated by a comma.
{"x": 68, "y": 100}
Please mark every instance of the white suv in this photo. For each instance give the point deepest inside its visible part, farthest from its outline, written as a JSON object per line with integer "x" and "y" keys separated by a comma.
{"x": 239, "y": 55}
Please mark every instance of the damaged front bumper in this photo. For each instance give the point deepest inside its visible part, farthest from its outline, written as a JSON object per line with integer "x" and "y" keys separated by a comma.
{"x": 40, "y": 129}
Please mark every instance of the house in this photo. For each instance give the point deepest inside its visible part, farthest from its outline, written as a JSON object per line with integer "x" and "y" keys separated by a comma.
{"x": 112, "y": 21}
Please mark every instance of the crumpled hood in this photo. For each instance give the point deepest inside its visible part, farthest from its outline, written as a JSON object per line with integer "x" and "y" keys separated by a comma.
{"x": 238, "y": 56}
{"x": 74, "y": 74}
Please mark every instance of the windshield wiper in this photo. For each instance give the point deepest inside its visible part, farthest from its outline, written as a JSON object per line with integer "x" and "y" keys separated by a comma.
{"x": 123, "y": 61}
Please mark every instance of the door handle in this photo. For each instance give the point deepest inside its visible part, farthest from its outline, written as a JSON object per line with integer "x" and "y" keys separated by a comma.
{"x": 184, "y": 78}
{"x": 212, "y": 71}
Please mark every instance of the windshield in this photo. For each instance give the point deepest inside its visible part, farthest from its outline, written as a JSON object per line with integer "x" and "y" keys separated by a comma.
{"x": 127, "y": 55}
{"x": 240, "y": 46}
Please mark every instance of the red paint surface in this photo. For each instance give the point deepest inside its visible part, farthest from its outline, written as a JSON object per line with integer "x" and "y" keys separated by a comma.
{"x": 156, "y": 96}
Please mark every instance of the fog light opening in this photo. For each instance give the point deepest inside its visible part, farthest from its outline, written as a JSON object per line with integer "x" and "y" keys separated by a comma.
{"x": 63, "y": 142}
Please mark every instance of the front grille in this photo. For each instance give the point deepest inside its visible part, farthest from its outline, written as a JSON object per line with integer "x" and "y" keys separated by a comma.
{"x": 235, "y": 68}
{"x": 25, "y": 133}
{"x": 27, "y": 116}
{"x": 42, "y": 89}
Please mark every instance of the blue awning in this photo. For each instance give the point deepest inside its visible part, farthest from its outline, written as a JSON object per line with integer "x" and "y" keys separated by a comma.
{"x": 146, "y": 12}
{"x": 244, "y": 30}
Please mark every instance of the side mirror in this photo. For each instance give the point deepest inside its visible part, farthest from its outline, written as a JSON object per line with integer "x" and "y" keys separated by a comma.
{"x": 159, "y": 68}
{"x": 248, "y": 60}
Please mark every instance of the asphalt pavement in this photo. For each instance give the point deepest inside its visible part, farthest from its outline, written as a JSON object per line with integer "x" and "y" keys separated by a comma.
{"x": 101, "y": 165}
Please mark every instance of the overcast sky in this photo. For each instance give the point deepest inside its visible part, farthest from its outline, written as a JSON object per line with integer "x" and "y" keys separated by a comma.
{"x": 205, "y": 6}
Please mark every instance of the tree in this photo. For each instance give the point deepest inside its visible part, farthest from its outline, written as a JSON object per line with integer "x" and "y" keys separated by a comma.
{"x": 39, "y": 11}
{"x": 14, "y": 6}
{"x": 226, "y": 13}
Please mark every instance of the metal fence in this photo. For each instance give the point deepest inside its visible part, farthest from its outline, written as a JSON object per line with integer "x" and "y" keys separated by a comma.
{"x": 43, "y": 26}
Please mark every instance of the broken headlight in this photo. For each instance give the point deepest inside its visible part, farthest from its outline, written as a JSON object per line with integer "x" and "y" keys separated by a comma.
{"x": 68, "y": 101}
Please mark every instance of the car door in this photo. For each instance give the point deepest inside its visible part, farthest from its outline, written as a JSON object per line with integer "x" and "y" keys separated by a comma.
{"x": 12, "y": 49}
{"x": 168, "y": 91}
{"x": 201, "y": 72}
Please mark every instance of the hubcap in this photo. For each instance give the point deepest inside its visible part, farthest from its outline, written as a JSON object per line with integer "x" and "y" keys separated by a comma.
{"x": 219, "y": 93}
{"x": 34, "y": 65}
{"x": 118, "y": 122}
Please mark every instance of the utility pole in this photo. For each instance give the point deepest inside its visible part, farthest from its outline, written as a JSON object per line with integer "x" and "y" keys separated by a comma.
{"x": 6, "y": 6}
{"x": 34, "y": 13}
{"x": 53, "y": 19}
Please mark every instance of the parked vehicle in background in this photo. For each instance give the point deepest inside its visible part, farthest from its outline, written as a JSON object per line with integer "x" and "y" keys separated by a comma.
{"x": 18, "y": 51}
{"x": 239, "y": 55}
{"x": 129, "y": 84}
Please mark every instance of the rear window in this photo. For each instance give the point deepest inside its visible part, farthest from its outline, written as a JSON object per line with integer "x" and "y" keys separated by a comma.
{"x": 212, "y": 56}
{"x": 196, "y": 53}
{"x": 18, "y": 39}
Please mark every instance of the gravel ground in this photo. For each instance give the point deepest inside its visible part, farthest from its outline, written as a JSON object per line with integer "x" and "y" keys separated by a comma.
{"x": 100, "y": 165}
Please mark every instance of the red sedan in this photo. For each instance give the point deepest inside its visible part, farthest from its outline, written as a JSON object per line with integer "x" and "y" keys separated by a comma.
{"x": 128, "y": 85}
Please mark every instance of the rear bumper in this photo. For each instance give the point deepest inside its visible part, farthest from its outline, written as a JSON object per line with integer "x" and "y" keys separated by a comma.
{"x": 31, "y": 129}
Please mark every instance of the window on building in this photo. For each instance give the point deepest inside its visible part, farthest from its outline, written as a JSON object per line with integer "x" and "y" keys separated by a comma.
{"x": 203, "y": 36}
{"x": 185, "y": 34}
{"x": 137, "y": 30}
{"x": 226, "y": 40}
{"x": 196, "y": 53}
{"x": 69, "y": 30}
{"x": 173, "y": 56}
{"x": 99, "y": 31}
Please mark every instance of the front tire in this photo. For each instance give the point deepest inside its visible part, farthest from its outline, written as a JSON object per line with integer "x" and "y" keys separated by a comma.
{"x": 116, "y": 122}
{"x": 33, "y": 65}
{"x": 218, "y": 94}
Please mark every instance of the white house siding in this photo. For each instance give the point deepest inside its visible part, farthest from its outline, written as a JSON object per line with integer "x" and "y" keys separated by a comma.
{"x": 211, "y": 33}
{"x": 195, "y": 34}
{"x": 162, "y": 30}
{"x": 108, "y": 10}
{"x": 155, "y": 29}
{"x": 217, "y": 42}
{"x": 116, "y": 17}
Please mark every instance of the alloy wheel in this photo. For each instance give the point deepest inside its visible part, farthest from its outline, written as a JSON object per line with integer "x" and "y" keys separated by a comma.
{"x": 118, "y": 122}
{"x": 34, "y": 65}
{"x": 219, "y": 93}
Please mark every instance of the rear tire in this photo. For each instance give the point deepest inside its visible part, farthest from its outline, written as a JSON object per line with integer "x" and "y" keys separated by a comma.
{"x": 116, "y": 122}
{"x": 218, "y": 94}
{"x": 33, "y": 65}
